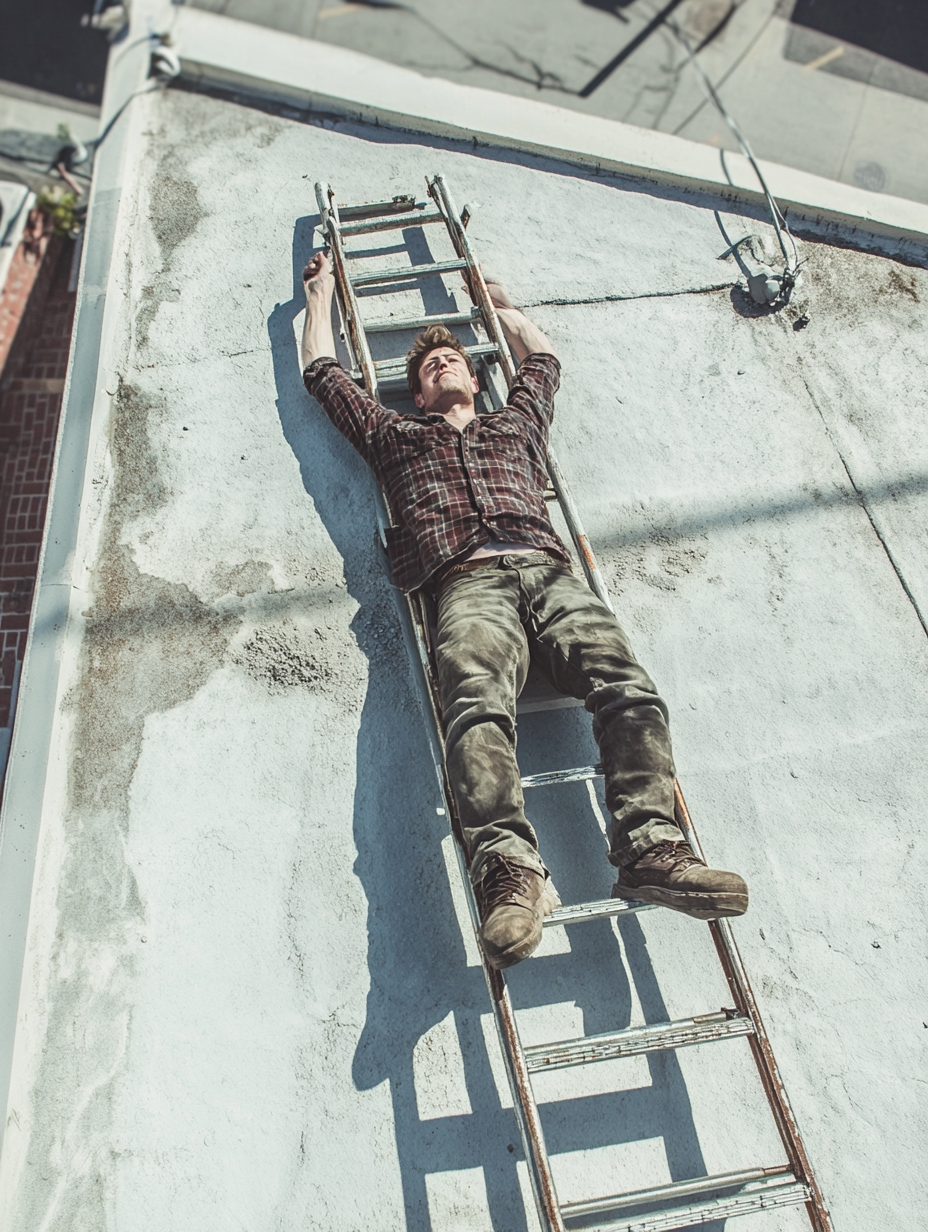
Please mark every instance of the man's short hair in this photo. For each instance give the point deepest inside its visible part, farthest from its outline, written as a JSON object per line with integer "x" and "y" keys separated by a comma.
{"x": 430, "y": 339}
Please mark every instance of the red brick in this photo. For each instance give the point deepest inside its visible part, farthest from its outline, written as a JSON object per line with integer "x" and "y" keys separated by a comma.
{"x": 36, "y": 313}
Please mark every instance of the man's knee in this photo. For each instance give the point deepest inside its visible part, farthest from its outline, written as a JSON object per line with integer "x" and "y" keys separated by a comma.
{"x": 625, "y": 703}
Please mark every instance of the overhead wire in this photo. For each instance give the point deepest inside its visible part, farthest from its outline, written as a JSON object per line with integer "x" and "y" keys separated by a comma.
{"x": 735, "y": 64}
{"x": 780, "y": 225}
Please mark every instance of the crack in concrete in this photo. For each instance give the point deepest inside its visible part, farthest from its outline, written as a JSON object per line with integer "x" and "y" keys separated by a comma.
{"x": 865, "y": 506}
{"x": 618, "y": 299}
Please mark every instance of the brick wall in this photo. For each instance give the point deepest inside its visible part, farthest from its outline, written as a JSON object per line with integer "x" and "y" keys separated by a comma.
{"x": 36, "y": 315}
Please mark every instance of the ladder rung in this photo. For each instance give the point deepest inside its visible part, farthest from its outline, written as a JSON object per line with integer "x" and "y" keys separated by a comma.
{"x": 374, "y": 209}
{"x": 677, "y": 1189}
{"x": 406, "y": 274}
{"x": 546, "y": 703}
{"x": 765, "y": 1198}
{"x": 605, "y": 909}
{"x": 387, "y": 379}
{"x": 439, "y": 318}
{"x": 383, "y": 367}
{"x": 395, "y": 369}
{"x": 390, "y": 224}
{"x": 580, "y": 775}
{"x": 633, "y": 1041}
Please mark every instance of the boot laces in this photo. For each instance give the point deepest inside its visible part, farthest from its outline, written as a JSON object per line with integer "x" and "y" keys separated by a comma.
{"x": 679, "y": 854}
{"x": 502, "y": 883}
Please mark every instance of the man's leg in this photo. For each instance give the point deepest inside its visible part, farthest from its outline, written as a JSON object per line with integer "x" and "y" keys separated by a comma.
{"x": 585, "y": 653}
{"x": 482, "y": 658}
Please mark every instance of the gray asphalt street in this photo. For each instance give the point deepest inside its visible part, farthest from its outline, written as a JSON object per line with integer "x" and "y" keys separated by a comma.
{"x": 836, "y": 87}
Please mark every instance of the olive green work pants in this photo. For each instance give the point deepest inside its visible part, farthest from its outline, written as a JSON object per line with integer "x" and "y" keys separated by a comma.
{"x": 491, "y": 622}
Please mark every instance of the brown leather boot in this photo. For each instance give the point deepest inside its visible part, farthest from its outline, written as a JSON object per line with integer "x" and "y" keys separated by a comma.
{"x": 672, "y": 876}
{"x": 513, "y": 900}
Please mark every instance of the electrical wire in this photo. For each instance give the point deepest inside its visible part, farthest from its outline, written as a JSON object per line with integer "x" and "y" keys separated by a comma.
{"x": 735, "y": 64}
{"x": 780, "y": 226}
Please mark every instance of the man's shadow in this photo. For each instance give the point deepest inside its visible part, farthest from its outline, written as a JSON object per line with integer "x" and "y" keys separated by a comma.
{"x": 417, "y": 961}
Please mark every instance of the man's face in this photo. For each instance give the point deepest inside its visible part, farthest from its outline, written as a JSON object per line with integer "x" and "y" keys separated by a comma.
{"x": 444, "y": 380}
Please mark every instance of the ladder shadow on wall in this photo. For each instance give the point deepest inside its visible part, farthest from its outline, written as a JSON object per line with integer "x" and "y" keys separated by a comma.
{"x": 420, "y": 981}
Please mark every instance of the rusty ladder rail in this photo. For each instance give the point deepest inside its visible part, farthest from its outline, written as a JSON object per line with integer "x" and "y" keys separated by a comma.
{"x": 734, "y": 1193}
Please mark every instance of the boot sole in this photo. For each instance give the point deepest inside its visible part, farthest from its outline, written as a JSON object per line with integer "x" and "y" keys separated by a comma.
{"x": 699, "y": 906}
{"x": 549, "y": 900}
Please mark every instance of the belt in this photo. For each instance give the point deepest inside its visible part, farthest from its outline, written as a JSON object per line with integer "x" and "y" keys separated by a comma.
{"x": 482, "y": 561}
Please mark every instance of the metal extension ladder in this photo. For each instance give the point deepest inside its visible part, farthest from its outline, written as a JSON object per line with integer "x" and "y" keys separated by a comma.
{"x": 677, "y": 1205}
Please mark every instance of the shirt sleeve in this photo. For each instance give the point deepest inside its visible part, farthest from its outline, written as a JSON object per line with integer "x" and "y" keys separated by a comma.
{"x": 352, "y": 410}
{"x": 532, "y": 392}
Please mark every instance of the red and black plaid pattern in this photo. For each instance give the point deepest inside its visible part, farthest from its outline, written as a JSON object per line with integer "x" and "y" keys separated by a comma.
{"x": 449, "y": 492}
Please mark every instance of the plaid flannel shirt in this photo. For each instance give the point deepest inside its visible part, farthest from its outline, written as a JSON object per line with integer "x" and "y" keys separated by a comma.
{"x": 450, "y": 492}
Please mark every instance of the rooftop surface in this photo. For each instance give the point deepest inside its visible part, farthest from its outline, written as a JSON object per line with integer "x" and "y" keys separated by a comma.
{"x": 250, "y": 997}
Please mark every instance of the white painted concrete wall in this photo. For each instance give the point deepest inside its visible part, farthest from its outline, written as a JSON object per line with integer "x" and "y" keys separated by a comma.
{"x": 248, "y": 1001}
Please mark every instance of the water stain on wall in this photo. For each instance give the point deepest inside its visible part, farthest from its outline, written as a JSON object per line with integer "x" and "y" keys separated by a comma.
{"x": 148, "y": 646}
{"x": 175, "y": 211}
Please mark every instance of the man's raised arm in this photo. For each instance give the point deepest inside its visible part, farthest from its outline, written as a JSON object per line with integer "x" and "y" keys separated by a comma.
{"x": 319, "y": 285}
{"x": 523, "y": 335}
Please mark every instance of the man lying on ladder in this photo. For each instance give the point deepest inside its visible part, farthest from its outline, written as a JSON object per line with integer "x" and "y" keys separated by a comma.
{"x": 475, "y": 531}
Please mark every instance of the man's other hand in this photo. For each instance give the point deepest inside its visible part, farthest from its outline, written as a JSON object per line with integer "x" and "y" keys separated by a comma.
{"x": 499, "y": 296}
{"x": 318, "y": 274}
{"x": 523, "y": 336}
{"x": 319, "y": 284}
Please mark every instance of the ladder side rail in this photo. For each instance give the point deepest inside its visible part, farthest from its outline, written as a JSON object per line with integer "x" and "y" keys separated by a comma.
{"x": 439, "y": 192}
{"x": 572, "y": 517}
{"x": 412, "y": 620}
{"x": 517, "y": 1068}
{"x": 325, "y": 209}
{"x": 329, "y": 213}
{"x": 721, "y": 931}
{"x": 350, "y": 316}
{"x": 743, "y": 995}
{"x": 517, "y": 1072}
